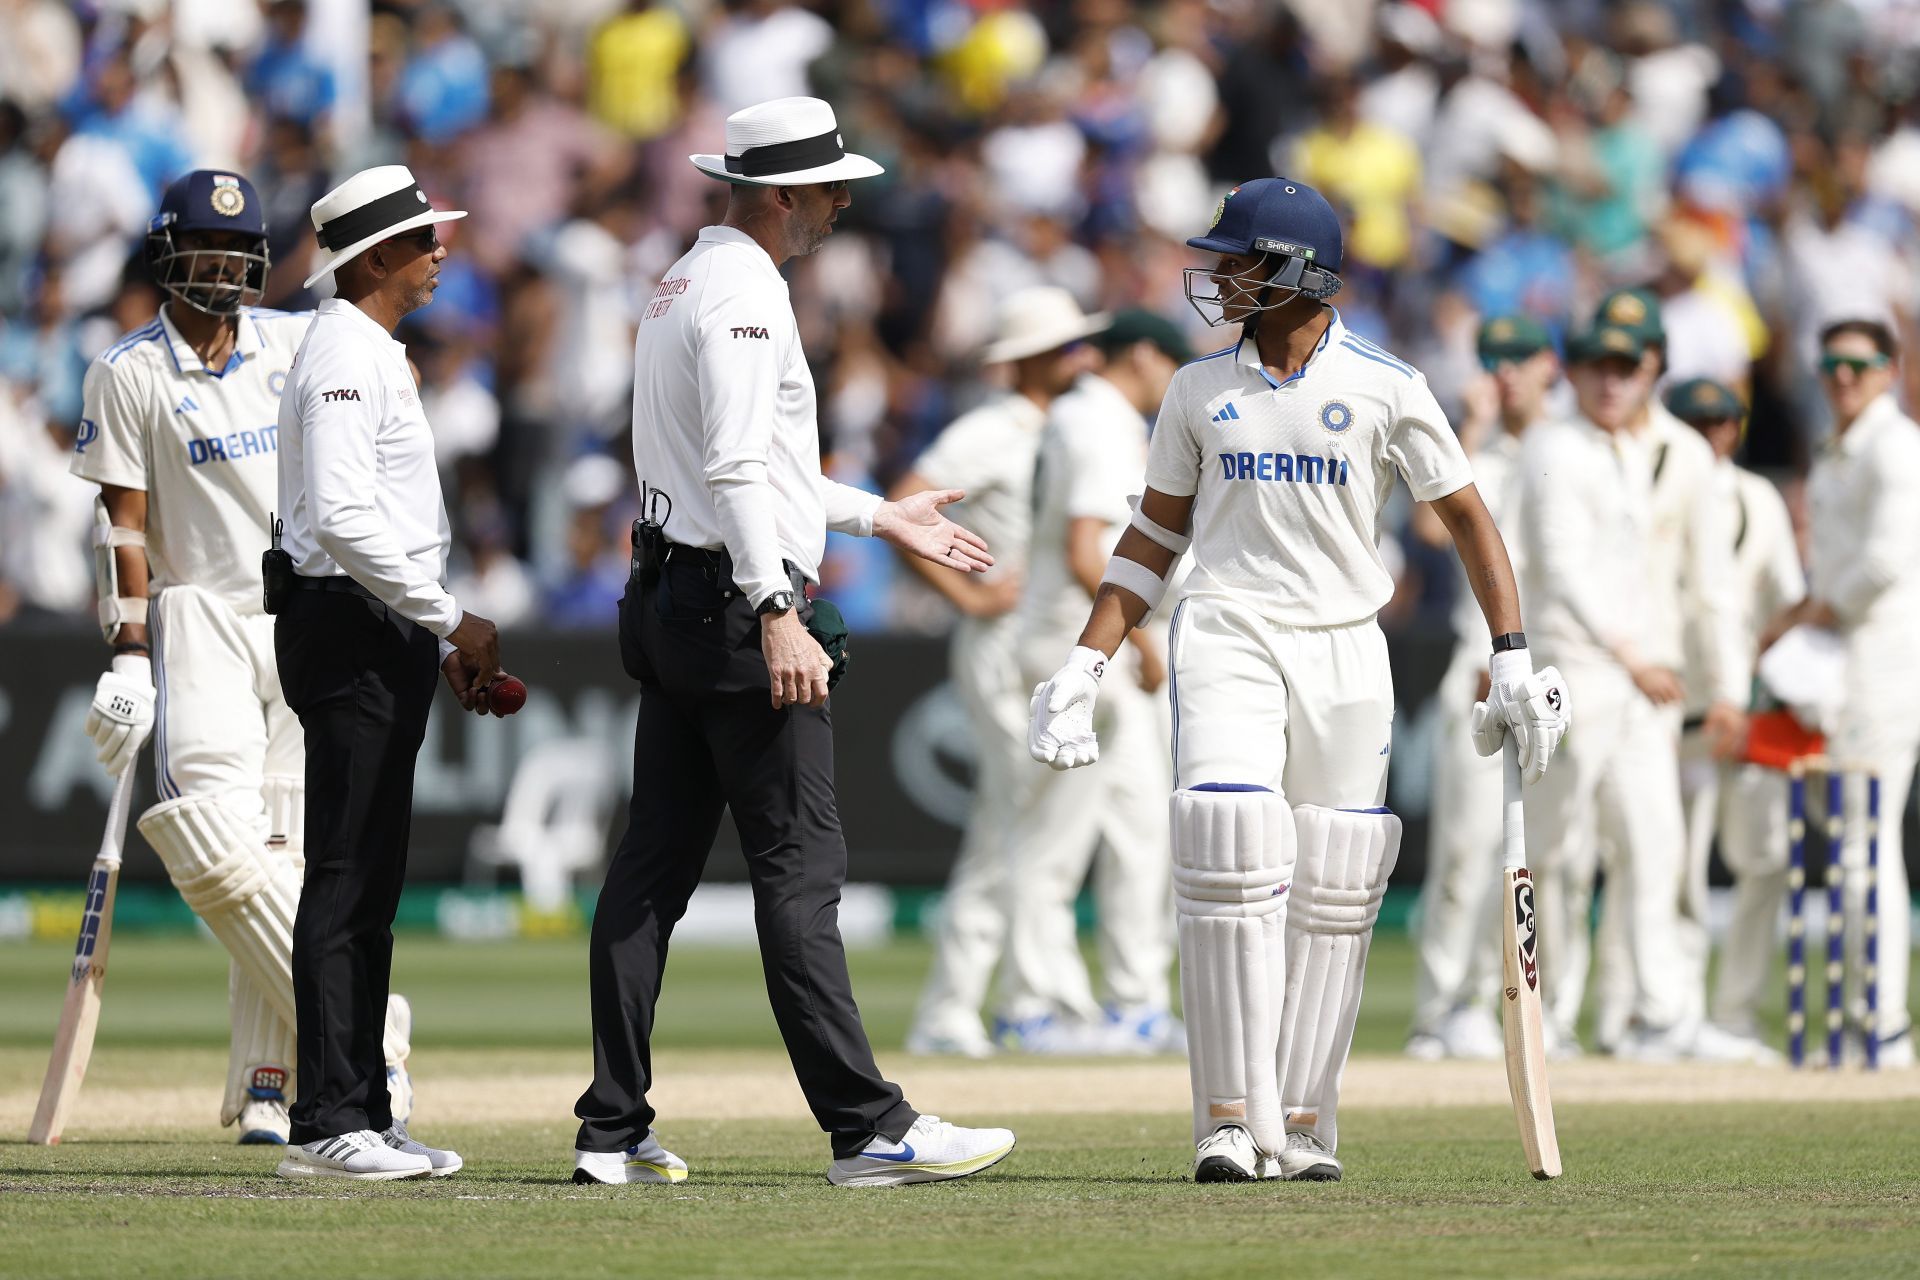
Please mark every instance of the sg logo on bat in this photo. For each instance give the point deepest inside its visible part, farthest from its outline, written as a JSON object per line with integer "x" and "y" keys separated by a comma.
{"x": 1527, "y": 939}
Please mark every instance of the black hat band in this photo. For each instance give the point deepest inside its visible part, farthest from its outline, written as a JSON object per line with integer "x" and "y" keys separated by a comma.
{"x": 788, "y": 157}
{"x": 372, "y": 218}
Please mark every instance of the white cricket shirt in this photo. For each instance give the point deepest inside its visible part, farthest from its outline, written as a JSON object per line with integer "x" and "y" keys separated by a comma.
{"x": 724, "y": 417}
{"x": 1585, "y": 524}
{"x": 1865, "y": 554}
{"x": 1689, "y": 601}
{"x": 1767, "y": 576}
{"x": 1092, "y": 457}
{"x": 1289, "y": 478}
{"x": 359, "y": 490}
{"x": 201, "y": 444}
{"x": 990, "y": 453}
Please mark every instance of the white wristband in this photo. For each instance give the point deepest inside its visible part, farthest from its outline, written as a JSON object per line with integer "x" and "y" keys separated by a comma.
{"x": 1131, "y": 575}
{"x": 1157, "y": 532}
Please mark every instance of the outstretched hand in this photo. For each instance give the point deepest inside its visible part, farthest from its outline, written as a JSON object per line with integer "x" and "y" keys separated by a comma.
{"x": 915, "y": 524}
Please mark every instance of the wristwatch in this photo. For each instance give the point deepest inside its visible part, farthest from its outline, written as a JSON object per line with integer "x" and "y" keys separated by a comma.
{"x": 777, "y": 602}
{"x": 1510, "y": 640}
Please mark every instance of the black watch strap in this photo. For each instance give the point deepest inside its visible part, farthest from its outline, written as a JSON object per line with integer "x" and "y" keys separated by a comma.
{"x": 1509, "y": 640}
{"x": 776, "y": 602}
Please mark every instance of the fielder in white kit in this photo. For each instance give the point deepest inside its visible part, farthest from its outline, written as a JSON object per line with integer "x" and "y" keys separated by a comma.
{"x": 1092, "y": 458}
{"x": 1278, "y": 453}
{"x": 1457, "y": 941}
{"x": 180, "y": 432}
{"x": 1741, "y": 806}
{"x": 1864, "y": 583}
{"x": 989, "y": 453}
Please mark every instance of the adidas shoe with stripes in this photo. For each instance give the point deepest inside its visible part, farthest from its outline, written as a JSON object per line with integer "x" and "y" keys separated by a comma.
{"x": 362, "y": 1155}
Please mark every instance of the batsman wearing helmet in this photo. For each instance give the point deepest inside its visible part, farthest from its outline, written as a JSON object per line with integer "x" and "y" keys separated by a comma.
{"x": 179, "y": 431}
{"x": 1271, "y": 460}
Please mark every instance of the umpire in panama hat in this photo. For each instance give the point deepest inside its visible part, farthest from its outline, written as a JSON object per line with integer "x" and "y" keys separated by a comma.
{"x": 732, "y": 658}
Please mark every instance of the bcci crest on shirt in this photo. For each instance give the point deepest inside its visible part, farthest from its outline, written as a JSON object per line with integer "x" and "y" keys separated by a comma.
{"x": 1336, "y": 416}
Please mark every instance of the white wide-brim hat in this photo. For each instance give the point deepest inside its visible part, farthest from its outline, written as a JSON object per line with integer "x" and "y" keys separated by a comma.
{"x": 1039, "y": 319}
{"x": 373, "y": 205}
{"x": 789, "y": 142}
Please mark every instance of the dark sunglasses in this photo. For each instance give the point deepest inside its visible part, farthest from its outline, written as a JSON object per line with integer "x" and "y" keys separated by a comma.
{"x": 422, "y": 239}
{"x": 1831, "y": 363}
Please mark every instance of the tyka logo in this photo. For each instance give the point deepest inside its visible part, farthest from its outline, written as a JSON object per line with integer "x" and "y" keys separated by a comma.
{"x": 1526, "y": 941}
{"x": 347, "y": 394}
{"x": 748, "y": 331}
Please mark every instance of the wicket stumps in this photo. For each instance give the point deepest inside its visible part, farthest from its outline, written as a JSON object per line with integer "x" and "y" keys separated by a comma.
{"x": 1834, "y": 828}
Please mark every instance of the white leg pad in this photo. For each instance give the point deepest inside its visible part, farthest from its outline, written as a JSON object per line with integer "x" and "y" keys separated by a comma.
{"x": 286, "y": 798}
{"x": 246, "y": 898}
{"x": 261, "y": 1058}
{"x": 1233, "y": 855}
{"x": 1345, "y": 857}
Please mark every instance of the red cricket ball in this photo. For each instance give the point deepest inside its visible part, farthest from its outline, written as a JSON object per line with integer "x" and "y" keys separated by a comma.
{"x": 506, "y": 695}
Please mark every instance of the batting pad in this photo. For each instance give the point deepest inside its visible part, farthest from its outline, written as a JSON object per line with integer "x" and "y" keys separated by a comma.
{"x": 262, "y": 1043}
{"x": 232, "y": 885}
{"x": 1233, "y": 853}
{"x": 286, "y": 798}
{"x": 1345, "y": 857}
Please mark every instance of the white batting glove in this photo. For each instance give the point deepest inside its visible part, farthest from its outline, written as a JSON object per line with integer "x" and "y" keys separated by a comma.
{"x": 1060, "y": 732}
{"x": 122, "y": 713}
{"x": 1531, "y": 705}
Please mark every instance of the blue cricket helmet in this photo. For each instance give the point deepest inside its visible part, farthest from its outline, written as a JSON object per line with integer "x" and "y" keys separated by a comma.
{"x": 216, "y": 281}
{"x": 1287, "y": 220}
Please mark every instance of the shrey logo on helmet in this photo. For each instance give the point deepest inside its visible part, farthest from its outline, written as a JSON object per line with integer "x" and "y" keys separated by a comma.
{"x": 1292, "y": 234}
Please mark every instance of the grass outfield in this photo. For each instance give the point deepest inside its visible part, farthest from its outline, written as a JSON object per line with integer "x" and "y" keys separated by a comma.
{"x": 1436, "y": 1186}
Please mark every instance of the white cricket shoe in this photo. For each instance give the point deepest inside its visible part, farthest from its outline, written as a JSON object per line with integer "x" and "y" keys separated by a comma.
{"x": 1052, "y": 1035}
{"x": 1656, "y": 1044}
{"x": 263, "y": 1123}
{"x": 1307, "y": 1159}
{"x": 931, "y": 1151}
{"x": 1144, "y": 1029}
{"x": 1717, "y": 1044}
{"x": 443, "y": 1162}
{"x": 1425, "y": 1046}
{"x": 1226, "y": 1155}
{"x": 646, "y": 1161}
{"x": 932, "y": 1043}
{"x": 361, "y": 1155}
{"x": 1472, "y": 1034}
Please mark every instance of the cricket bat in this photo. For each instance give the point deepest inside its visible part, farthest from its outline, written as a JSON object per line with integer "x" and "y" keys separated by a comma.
{"x": 1520, "y": 966}
{"x": 73, "y": 1042}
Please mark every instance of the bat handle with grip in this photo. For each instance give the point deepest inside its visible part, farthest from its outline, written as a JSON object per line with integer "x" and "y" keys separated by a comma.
{"x": 1513, "y": 814}
{"x": 115, "y": 835}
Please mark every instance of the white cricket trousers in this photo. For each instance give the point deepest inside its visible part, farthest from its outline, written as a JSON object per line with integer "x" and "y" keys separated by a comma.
{"x": 1303, "y": 711}
{"x": 1113, "y": 816}
{"x": 1457, "y": 943}
{"x": 986, "y": 675}
{"x": 1615, "y": 778}
{"x": 221, "y": 728}
{"x": 1744, "y": 808}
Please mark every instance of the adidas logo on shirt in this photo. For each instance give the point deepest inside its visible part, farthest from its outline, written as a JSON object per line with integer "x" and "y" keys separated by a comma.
{"x": 1227, "y": 414}
{"x": 187, "y": 406}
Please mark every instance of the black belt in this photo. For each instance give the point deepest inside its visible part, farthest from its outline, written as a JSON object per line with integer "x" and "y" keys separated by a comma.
{"x": 718, "y": 562}
{"x": 338, "y": 585}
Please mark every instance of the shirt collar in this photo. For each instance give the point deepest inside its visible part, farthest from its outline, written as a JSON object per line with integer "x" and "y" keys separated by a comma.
{"x": 1248, "y": 353}
{"x": 1871, "y": 421}
{"x": 247, "y": 342}
{"x": 355, "y": 316}
{"x": 733, "y": 235}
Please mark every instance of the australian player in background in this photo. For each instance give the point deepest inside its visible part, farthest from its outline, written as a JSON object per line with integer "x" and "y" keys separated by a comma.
{"x": 179, "y": 431}
{"x": 1272, "y": 459}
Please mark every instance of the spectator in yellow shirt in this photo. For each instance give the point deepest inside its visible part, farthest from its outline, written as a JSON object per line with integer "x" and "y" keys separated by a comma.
{"x": 633, "y": 69}
{"x": 1370, "y": 172}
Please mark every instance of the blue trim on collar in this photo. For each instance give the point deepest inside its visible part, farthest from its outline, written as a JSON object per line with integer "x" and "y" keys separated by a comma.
{"x": 1229, "y": 786}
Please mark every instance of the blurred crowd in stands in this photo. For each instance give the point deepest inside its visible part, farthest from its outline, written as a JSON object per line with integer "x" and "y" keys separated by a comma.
{"x": 1757, "y": 162}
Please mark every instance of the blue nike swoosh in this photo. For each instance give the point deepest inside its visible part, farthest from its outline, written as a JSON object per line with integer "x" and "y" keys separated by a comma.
{"x": 904, "y": 1154}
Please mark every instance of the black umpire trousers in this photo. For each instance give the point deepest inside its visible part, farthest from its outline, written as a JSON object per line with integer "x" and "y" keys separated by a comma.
{"x": 361, "y": 679}
{"x": 708, "y": 739}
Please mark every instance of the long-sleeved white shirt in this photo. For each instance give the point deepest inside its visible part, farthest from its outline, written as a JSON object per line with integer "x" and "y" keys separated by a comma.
{"x": 1866, "y": 522}
{"x": 724, "y": 418}
{"x": 1689, "y": 601}
{"x": 1767, "y": 576}
{"x": 359, "y": 490}
{"x": 1585, "y": 522}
